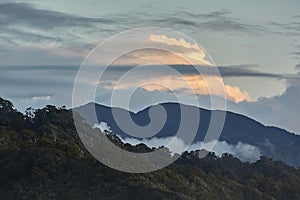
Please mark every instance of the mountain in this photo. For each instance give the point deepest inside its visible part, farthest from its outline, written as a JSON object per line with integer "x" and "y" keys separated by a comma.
{"x": 42, "y": 157}
{"x": 272, "y": 142}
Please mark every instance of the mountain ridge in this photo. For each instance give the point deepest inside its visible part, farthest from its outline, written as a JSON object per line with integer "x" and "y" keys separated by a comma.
{"x": 273, "y": 142}
{"x": 216, "y": 110}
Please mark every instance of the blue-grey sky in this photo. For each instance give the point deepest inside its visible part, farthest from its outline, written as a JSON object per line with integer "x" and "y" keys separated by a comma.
{"x": 255, "y": 43}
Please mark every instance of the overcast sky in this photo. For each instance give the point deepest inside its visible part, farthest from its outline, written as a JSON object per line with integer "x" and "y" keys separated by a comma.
{"x": 254, "y": 43}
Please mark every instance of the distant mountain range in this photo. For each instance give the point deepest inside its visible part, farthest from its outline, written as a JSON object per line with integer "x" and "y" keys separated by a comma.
{"x": 272, "y": 142}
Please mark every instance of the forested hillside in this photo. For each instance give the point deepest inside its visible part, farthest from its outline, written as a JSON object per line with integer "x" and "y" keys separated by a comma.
{"x": 41, "y": 157}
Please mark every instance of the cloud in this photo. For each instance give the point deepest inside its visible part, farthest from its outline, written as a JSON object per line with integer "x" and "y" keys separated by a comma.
{"x": 161, "y": 49}
{"x": 280, "y": 111}
{"x": 161, "y": 78}
{"x": 197, "y": 55}
{"x": 184, "y": 84}
{"x": 197, "y": 84}
{"x": 247, "y": 71}
{"x": 219, "y": 20}
{"x": 287, "y": 29}
{"x": 27, "y": 24}
{"x": 236, "y": 94}
{"x": 215, "y": 14}
{"x": 200, "y": 83}
{"x": 28, "y": 15}
{"x": 233, "y": 71}
{"x": 296, "y": 53}
{"x": 48, "y": 97}
{"x": 146, "y": 56}
{"x": 173, "y": 41}
{"x": 103, "y": 126}
{"x": 71, "y": 36}
{"x": 227, "y": 71}
{"x": 24, "y": 24}
{"x": 245, "y": 152}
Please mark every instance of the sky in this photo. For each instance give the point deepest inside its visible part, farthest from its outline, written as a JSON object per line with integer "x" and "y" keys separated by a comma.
{"x": 254, "y": 44}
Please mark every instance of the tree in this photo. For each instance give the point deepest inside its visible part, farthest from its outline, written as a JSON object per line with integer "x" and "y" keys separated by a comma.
{"x": 6, "y": 106}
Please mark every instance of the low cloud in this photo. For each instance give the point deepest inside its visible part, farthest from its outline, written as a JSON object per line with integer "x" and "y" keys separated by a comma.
{"x": 244, "y": 152}
{"x": 102, "y": 126}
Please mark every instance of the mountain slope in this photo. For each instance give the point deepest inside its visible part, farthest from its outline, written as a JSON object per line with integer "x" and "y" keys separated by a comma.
{"x": 41, "y": 157}
{"x": 273, "y": 142}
